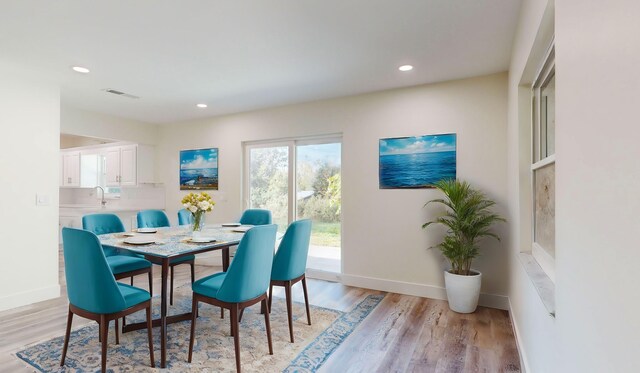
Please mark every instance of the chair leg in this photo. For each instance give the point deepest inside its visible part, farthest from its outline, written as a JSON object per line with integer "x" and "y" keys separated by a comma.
{"x": 150, "y": 335}
{"x": 287, "y": 290}
{"x": 150, "y": 282}
{"x": 241, "y": 313}
{"x": 236, "y": 334}
{"x": 194, "y": 307}
{"x": 270, "y": 296}
{"x": 66, "y": 337}
{"x": 268, "y": 327}
{"x": 171, "y": 296}
{"x": 131, "y": 280}
{"x": 117, "y": 334}
{"x": 104, "y": 327}
{"x": 221, "y": 313}
{"x": 306, "y": 299}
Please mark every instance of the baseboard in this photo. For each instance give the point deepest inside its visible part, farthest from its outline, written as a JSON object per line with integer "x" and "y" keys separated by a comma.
{"x": 524, "y": 362}
{"x": 29, "y": 297}
{"x": 419, "y": 290}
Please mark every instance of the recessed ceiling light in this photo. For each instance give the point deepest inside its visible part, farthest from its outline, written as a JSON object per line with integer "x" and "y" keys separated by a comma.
{"x": 80, "y": 69}
{"x": 405, "y": 68}
{"x": 202, "y": 106}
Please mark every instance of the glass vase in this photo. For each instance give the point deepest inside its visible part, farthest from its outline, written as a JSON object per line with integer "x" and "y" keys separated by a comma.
{"x": 197, "y": 223}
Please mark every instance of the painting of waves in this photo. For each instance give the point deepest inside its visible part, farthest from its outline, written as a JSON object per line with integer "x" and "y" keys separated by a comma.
{"x": 199, "y": 169}
{"x": 417, "y": 162}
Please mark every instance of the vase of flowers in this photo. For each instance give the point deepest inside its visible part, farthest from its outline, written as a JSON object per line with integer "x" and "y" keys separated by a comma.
{"x": 198, "y": 204}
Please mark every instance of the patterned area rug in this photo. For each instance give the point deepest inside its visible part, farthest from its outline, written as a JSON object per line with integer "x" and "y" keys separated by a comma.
{"x": 213, "y": 350}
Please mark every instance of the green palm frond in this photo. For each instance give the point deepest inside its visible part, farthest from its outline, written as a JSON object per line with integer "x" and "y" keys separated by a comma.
{"x": 468, "y": 219}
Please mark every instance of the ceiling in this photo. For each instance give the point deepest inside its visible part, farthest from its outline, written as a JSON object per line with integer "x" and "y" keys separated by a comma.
{"x": 243, "y": 55}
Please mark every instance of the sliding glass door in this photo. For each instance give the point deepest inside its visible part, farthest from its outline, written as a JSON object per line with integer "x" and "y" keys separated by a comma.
{"x": 300, "y": 179}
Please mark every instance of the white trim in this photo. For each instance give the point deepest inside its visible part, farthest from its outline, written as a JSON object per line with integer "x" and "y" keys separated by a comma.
{"x": 419, "y": 290}
{"x": 524, "y": 361}
{"x": 28, "y": 297}
{"x": 544, "y": 162}
{"x": 546, "y": 261}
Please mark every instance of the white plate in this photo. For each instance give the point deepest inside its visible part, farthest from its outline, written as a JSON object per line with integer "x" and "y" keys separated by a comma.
{"x": 242, "y": 229}
{"x": 231, "y": 224}
{"x": 202, "y": 239}
{"x": 139, "y": 240}
{"x": 147, "y": 230}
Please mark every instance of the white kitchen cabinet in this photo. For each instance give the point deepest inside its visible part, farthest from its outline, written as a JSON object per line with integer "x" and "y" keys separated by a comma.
{"x": 70, "y": 169}
{"x": 129, "y": 165}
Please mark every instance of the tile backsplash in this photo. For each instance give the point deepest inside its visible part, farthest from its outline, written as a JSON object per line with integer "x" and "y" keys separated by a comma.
{"x": 144, "y": 196}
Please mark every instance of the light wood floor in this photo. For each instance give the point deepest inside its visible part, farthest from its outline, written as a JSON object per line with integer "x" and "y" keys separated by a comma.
{"x": 403, "y": 334}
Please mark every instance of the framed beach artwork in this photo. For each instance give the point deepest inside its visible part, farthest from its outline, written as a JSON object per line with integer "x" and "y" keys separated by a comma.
{"x": 416, "y": 162}
{"x": 199, "y": 169}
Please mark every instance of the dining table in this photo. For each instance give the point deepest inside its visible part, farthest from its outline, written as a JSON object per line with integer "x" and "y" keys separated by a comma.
{"x": 163, "y": 245}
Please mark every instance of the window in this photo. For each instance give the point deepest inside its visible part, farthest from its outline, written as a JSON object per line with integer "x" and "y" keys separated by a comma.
{"x": 543, "y": 167}
{"x": 300, "y": 179}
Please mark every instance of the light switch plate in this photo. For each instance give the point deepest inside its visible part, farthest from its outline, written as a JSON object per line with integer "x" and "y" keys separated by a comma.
{"x": 42, "y": 200}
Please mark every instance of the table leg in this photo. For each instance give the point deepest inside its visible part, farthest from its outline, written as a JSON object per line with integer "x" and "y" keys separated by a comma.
{"x": 225, "y": 259}
{"x": 163, "y": 313}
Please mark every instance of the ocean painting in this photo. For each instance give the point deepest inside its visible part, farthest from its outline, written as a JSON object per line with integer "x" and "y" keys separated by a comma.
{"x": 199, "y": 169}
{"x": 417, "y": 162}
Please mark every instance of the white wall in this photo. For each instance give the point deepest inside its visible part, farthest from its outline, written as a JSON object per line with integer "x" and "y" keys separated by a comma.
{"x": 29, "y": 148}
{"x": 598, "y": 185}
{"x": 396, "y": 253}
{"x": 81, "y": 122}
{"x": 535, "y": 328}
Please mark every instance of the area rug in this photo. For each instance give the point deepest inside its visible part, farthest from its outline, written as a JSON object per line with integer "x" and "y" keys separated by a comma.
{"x": 213, "y": 350}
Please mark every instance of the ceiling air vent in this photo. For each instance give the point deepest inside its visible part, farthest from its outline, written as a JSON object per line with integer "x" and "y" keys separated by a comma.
{"x": 119, "y": 93}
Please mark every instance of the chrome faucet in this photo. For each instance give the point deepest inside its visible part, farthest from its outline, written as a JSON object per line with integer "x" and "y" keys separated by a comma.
{"x": 102, "y": 202}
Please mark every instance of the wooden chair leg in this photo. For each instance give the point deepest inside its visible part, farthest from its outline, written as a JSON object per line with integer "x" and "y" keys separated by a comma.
{"x": 150, "y": 335}
{"x": 268, "y": 327}
{"x": 104, "y": 327}
{"x": 131, "y": 280}
{"x": 221, "y": 313}
{"x": 171, "y": 296}
{"x": 306, "y": 298}
{"x": 66, "y": 337}
{"x": 236, "y": 334}
{"x": 270, "y": 296}
{"x": 117, "y": 333}
{"x": 194, "y": 307}
{"x": 287, "y": 290}
{"x": 241, "y": 313}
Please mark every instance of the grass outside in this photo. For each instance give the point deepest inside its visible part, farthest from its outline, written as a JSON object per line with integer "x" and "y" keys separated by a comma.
{"x": 325, "y": 234}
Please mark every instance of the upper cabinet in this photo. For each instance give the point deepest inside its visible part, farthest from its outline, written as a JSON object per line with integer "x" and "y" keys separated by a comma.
{"x": 70, "y": 164}
{"x": 117, "y": 166}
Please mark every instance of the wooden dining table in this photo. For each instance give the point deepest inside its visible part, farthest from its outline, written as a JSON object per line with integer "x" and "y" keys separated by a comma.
{"x": 169, "y": 244}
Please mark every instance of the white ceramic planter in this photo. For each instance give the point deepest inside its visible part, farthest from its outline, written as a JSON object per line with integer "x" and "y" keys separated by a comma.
{"x": 463, "y": 291}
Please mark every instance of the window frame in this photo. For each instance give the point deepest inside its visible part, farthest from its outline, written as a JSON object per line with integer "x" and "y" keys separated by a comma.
{"x": 544, "y": 74}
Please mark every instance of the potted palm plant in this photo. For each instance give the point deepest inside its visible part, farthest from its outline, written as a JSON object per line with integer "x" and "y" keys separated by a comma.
{"x": 468, "y": 219}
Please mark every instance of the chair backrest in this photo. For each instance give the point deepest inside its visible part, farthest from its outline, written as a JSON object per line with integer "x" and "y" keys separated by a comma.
{"x": 152, "y": 219}
{"x": 90, "y": 283}
{"x": 256, "y": 217}
{"x": 102, "y": 223}
{"x": 249, "y": 274}
{"x": 184, "y": 217}
{"x": 290, "y": 260}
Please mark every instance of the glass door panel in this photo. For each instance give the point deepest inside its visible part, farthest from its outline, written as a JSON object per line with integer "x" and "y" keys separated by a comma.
{"x": 318, "y": 197}
{"x": 269, "y": 182}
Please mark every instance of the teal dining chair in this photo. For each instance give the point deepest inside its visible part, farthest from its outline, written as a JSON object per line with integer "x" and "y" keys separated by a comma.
{"x": 158, "y": 219}
{"x": 244, "y": 284}
{"x": 122, "y": 264}
{"x": 256, "y": 217}
{"x": 93, "y": 291}
{"x": 290, "y": 264}
{"x": 184, "y": 217}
